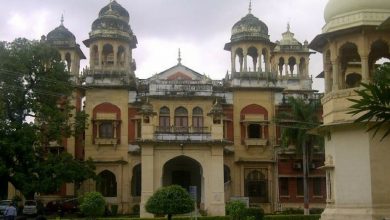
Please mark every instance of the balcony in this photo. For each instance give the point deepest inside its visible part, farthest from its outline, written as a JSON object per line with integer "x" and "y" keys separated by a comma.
{"x": 179, "y": 133}
{"x": 255, "y": 142}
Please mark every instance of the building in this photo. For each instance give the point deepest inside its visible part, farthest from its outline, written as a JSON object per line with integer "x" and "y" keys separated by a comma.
{"x": 355, "y": 39}
{"x": 180, "y": 126}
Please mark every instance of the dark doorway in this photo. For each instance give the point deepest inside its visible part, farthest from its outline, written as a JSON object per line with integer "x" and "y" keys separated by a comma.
{"x": 181, "y": 178}
{"x": 3, "y": 188}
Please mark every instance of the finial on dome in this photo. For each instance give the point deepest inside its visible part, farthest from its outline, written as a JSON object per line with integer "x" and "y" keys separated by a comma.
{"x": 62, "y": 19}
{"x": 179, "y": 57}
{"x": 288, "y": 26}
{"x": 250, "y": 7}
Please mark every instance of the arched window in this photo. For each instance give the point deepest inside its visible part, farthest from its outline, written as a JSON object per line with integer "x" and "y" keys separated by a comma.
{"x": 181, "y": 120}
{"x": 68, "y": 61}
{"x": 136, "y": 181}
{"x": 164, "y": 119}
{"x": 226, "y": 174}
{"x": 281, "y": 66}
{"x": 254, "y": 131}
{"x": 197, "y": 119}
{"x": 256, "y": 185}
{"x": 252, "y": 52}
{"x": 106, "y": 184}
{"x": 106, "y": 129}
{"x": 108, "y": 55}
{"x": 121, "y": 56}
{"x": 95, "y": 55}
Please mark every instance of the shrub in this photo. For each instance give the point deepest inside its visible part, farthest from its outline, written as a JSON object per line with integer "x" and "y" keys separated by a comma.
{"x": 316, "y": 210}
{"x": 253, "y": 213}
{"x": 235, "y": 209}
{"x": 170, "y": 200}
{"x": 114, "y": 210}
{"x": 93, "y": 205}
{"x": 292, "y": 211}
{"x": 292, "y": 217}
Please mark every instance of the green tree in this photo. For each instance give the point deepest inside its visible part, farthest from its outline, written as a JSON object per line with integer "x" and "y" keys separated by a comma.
{"x": 93, "y": 205}
{"x": 34, "y": 112}
{"x": 170, "y": 200}
{"x": 301, "y": 117}
{"x": 374, "y": 102}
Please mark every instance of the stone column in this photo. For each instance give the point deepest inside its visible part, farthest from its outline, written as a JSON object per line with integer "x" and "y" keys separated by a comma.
{"x": 233, "y": 62}
{"x": 266, "y": 63}
{"x": 327, "y": 72}
{"x": 365, "y": 69}
{"x": 245, "y": 62}
{"x": 286, "y": 69}
{"x": 100, "y": 55}
{"x": 147, "y": 180}
{"x": 260, "y": 63}
{"x": 115, "y": 49}
{"x": 335, "y": 72}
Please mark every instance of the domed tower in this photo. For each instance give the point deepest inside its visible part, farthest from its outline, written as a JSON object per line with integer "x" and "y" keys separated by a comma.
{"x": 110, "y": 44}
{"x": 354, "y": 41}
{"x": 250, "y": 47}
{"x": 64, "y": 40}
{"x": 290, "y": 59}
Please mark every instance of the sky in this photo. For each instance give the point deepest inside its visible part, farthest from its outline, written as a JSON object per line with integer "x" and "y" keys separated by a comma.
{"x": 200, "y": 28}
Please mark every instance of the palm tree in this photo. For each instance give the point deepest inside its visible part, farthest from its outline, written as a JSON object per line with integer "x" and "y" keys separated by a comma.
{"x": 374, "y": 103}
{"x": 301, "y": 117}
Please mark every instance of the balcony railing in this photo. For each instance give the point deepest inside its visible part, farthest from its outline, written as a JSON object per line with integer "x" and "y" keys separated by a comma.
{"x": 182, "y": 133}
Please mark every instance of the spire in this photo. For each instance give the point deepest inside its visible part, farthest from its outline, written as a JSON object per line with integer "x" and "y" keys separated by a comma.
{"x": 179, "y": 57}
{"x": 62, "y": 19}
{"x": 250, "y": 7}
{"x": 288, "y": 26}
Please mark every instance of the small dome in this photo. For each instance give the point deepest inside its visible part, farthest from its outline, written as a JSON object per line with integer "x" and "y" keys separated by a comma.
{"x": 249, "y": 28}
{"x": 341, "y": 14}
{"x": 61, "y": 35}
{"x": 117, "y": 9}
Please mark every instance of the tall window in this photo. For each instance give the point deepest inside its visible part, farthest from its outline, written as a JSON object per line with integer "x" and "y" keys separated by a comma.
{"x": 299, "y": 186}
{"x": 197, "y": 119}
{"x": 283, "y": 187}
{"x": 108, "y": 55}
{"x": 226, "y": 174}
{"x": 106, "y": 129}
{"x": 317, "y": 186}
{"x": 181, "y": 120}
{"x": 106, "y": 184}
{"x": 256, "y": 185}
{"x": 136, "y": 181}
{"x": 164, "y": 119}
{"x": 254, "y": 131}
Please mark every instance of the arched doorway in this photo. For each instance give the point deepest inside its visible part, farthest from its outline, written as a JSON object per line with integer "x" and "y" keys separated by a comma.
{"x": 184, "y": 171}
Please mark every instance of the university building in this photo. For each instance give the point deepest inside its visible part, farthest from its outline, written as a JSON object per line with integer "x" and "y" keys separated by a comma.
{"x": 181, "y": 127}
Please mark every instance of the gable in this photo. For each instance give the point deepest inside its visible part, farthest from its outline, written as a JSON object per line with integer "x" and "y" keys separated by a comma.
{"x": 178, "y": 72}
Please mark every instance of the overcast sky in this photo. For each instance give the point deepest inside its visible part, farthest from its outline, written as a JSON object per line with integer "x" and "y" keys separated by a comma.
{"x": 199, "y": 27}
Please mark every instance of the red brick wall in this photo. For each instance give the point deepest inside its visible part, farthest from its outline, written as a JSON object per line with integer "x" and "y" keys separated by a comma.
{"x": 107, "y": 108}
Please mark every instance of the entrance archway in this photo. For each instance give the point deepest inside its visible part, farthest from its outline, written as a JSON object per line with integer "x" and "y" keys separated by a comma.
{"x": 184, "y": 171}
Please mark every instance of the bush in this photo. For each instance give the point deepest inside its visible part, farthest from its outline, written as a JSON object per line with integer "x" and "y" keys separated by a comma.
{"x": 292, "y": 217}
{"x": 235, "y": 209}
{"x": 253, "y": 213}
{"x": 170, "y": 200}
{"x": 136, "y": 209}
{"x": 114, "y": 210}
{"x": 316, "y": 210}
{"x": 292, "y": 211}
{"x": 93, "y": 205}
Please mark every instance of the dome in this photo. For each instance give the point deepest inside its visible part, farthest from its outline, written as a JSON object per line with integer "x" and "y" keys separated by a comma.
{"x": 113, "y": 23}
{"x": 117, "y": 9}
{"x": 61, "y": 35}
{"x": 341, "y": 14}
{"x": 249, "y": 28}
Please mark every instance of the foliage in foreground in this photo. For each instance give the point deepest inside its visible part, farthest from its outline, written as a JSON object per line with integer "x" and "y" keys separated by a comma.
{"x": 93, "y": 205}
{"x": 374, "y": 104}
{"x": 35, "y": 92}
{"x": 170, "y": 200}
{"x": 292, "y": 217}
{"x": 235, "y": 209}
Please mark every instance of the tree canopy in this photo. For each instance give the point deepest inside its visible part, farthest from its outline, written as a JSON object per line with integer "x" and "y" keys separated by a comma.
{"x": 170, "y": 200}
{"x": 374, "y": 101}
{"x": 35, "y": 111}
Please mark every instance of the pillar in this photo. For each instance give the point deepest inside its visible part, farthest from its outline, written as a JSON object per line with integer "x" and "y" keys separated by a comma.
{"x": 245, "y": 62}
{"x": 100, "y": 55}
{"x": 365, "y": 69}
{"x": 233, "y": 56}
{"x": 260, "y": 64}
{"x": 147, "y": 180}
{"x": 335, "y": 72}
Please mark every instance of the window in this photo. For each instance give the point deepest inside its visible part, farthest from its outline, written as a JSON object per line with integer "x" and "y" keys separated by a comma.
{"x": 181, "y": 120}
{"x": 254, "y": 131}
{"x": 106, "y": 129}
{"x": 299, "y": 186}
{"x": 136, "y": 181}
{"x": 226, "y": 174}
{"x": 164, "y": 120}
{"x": 317, "y": 186}
{"x": 197, "y": 119}
{"x": 108, "y": 55}
{"x": 256, "y": 187}
{"x": 283, "y": 187}
{"x": 106, "y": 184}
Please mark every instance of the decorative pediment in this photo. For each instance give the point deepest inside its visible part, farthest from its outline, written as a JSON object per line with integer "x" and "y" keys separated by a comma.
{"x": 178, "y": 72}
